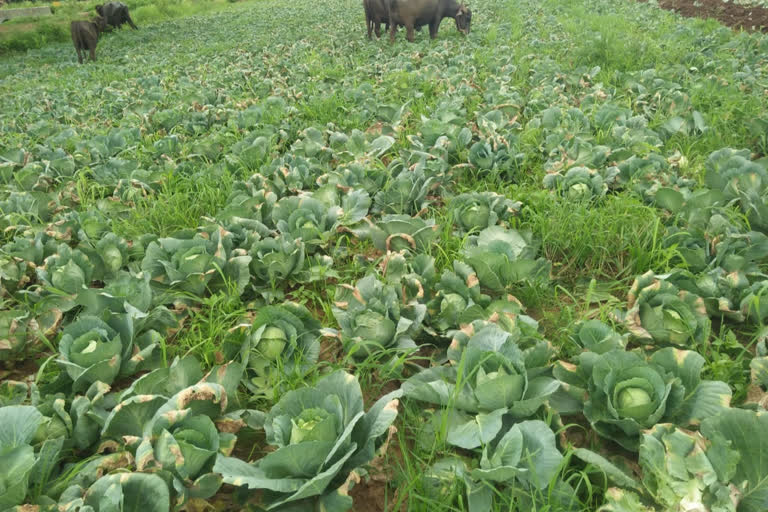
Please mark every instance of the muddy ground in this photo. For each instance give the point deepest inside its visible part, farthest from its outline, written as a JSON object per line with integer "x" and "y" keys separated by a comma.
{"x": 735, "y": 16}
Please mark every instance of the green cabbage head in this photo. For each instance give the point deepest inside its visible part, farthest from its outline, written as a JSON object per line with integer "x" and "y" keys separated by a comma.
{"x": 320, "y": 434}
{"x": 627, "y": 393}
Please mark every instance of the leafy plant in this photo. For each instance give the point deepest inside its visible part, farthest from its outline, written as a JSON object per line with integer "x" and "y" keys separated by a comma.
{"x": 275, "y": 260}
{"x": 282, "y": 339}
{"x": 489, "y": 382}
{"x": 192, "y": 265}
{"x": 475, "y": 211}
{"x": 23, "y": 464}
{"x": 624, "y": 393}
{"x": 658, "y": 311}
{"x": 595, "y": 336}
{"x": 504, "y": 257}
{"x": 372, "y": 318}
{"x": 94, "y": 349}
{"x": 320, "y": 434}
{"x": 525, "y": 455}
{"x": 578, "y": 183}
{"x": 398, "y": 233}
{"x": 121, "y": 492}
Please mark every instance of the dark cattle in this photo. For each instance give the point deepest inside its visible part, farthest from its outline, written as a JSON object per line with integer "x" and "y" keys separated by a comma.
{"x": 376, "y": 13}
{"x": 116, "y": 13}
{"x": 85, "y": 36}
{"x": 417, "y": 13}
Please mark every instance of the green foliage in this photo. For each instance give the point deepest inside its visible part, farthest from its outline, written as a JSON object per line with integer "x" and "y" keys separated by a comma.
{"x": 257, "y": 209}
{"x": 627, "y": 393}
{"x": 372, "y": 317}
{"x": 320, "y": 435}
{"x": 661, "y": 313}
{"x": 487, "y": 382}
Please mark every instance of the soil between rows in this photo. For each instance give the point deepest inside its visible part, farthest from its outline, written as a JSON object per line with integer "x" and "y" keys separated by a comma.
{"x": 730, "y": 14}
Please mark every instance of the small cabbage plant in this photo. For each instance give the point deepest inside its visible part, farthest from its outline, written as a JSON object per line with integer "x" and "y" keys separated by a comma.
{"x": 282, "y": 339}
{"x": 458, "y": 299}
{"x": 475, "y": 211}
{"x": 489, "y": 381}
{"x": 95, "y": 349}
{"x": 595, "y": 336}
{"x": 503, "y": 257}
{"x": 658, "y": 311}
{"x": 372, "y": 317}
{"x": 577, "y": 184}
{"x": 320, "y": 435}
{"x": 526, "y": 455}
{"x": 398, "y": 233}
{"x": 627, "y": 393}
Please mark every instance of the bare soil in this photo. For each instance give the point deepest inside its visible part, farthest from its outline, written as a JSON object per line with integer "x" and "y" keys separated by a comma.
{"x": 751, "y": 19}
{"x": 378, "y": 492}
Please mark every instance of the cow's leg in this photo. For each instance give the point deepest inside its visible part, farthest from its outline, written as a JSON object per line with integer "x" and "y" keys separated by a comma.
{"x": 392, "y": 31}
{"x": 409, "y": 30}
{"x": 433, "y": 30}
{"x": 377, "y": 28}
{"x": 92, "y": 50}
{"x": 368, "y": 24}
{"x": 79, "y": 55}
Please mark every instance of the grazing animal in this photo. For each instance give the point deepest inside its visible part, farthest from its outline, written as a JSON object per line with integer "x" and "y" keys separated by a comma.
{"x": 417, "y": 13}
{"x": 376, "y": 13}
{"x": 85, "y": 35}
{"x": 116, "y": 13}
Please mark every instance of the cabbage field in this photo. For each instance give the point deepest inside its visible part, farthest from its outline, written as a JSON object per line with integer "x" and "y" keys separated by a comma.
{"x": 254, "y": 261}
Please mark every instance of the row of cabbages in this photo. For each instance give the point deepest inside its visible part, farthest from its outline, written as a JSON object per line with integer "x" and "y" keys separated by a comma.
{"x": 169, "y": 436}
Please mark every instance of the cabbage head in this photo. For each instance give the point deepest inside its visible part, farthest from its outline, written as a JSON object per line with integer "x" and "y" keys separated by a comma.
{"x": 320, "y": 435}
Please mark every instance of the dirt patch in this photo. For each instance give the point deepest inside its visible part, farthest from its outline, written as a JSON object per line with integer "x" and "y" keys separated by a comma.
{"x": 17, "y": 27}
{"x": 24, "y": 371}
{"x": 735, "y": 16}
{"x": 376, "y": 493}
{"x": 372, "y": 496}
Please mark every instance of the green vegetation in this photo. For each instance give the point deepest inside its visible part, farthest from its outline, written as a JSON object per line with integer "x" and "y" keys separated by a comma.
{"x": 253, "y": 260}
{"x": 24, "y": 33}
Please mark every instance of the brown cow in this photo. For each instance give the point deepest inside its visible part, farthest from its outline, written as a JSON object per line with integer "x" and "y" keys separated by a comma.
{"x": 85, "y": 35}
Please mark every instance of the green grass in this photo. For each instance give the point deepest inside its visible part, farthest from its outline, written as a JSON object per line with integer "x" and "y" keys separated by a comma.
{"x": 172, "y": 210}
{"x": 614, "y": 240}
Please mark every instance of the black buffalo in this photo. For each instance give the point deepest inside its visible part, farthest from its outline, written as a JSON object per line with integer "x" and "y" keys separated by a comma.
{"x": 376, "y": 13}
{"x": 85, "y": 36}
{"x": 116, "y": 13}
{"x": 417, "y": 13}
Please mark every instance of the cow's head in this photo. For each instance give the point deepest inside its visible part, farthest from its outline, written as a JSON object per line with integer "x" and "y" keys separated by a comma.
{"x": 101, "y": 23}
{"x": 100, "y": 10}
{"x": 463, "y": 19}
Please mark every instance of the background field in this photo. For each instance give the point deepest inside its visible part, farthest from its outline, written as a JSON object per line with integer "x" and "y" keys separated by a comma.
{"x": 199, "y": 123}
{"x": 23, "y": 33}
